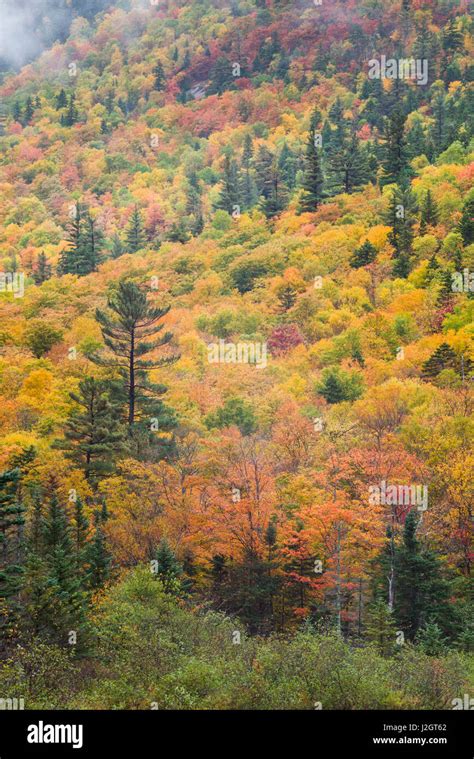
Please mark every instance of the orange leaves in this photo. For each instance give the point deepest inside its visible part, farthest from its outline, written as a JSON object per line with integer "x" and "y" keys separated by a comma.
{"x": 240, "y": 497}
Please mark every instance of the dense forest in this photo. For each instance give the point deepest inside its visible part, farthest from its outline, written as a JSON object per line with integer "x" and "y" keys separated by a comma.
{"x": 237, "y": 356}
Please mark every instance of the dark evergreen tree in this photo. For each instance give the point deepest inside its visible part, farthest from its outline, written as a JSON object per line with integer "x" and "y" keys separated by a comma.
{"x": 363, "y": 256}
{"x": 178, "y": 233}
{"x": 287, "y": 297}
{"x": 275, "y": 196}
{"x": 426, "y": 46}
{"x": 168, "y": 569}
{"x": 263, "y": 164}
{"x": 222, "y": 78}
{"x": 230, "y": 196}
{"x": 338, "y": 124}
{"x": 92, "y": 433}
{"x": 42, "y": 270}
{"x": 313, "y": 176}
{"x": 80, "y": 530}
{"x": 395, "y": 155}
{"x": 287, "y": 165}
{"x": 72, "y": 257}
{"x": 12, "y": 520}
{"x": 93, "y": 242}
{"x": 71, "y": 116}
{"x": 438, "y": 133}
{"x": 466, "y": 224}
{"x": 85, "y": 242}
{"x": 218, "y": 574}
{"x": 250, "y": 588}
{"x": 61, "y": 100}
{"x": 445, "y": 358}
{"x": 432, "y": 268}
{"x": 159, "y": 74}
{"x": 429, "y": 212}
{"x": 17, "y": 112}
{"x": 445, "y": 294}
{"x": 135, "y": 235}
{"x": 117, "y": 246}
{"x": 380, "y": 628}
{"x": 452, "y": 37}
{"x": 416, "y": 141}
{"x": 431, "y": 639}
{"x": 126, "y": 329}
{"x": 55, "y": 600}
{"x": 332, "y": 389}
{"x": 401, "y": 218}
{"x": 98, "y": 558}
{"x": 267, "y": 51}
{"x": 193, "y": 200}
{"x": 348, "y": 167}
{"x": 421, "y": 593}
{"x": 110, "y": 101}
{"x": 29, "y": 111}
{"x": 249, "y": 190}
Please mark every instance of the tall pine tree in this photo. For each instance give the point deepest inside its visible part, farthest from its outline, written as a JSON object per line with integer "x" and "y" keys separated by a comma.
{"x": 92, "y": 433}
{"x": 312, "y": 193}
{"x": 127, "y": 327}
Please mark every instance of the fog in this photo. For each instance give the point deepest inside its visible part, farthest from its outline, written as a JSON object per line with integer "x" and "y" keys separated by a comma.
{"x": 29, "y": 26}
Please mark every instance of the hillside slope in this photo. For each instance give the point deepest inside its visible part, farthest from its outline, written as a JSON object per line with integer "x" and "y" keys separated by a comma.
{"x": 294, "y": 447}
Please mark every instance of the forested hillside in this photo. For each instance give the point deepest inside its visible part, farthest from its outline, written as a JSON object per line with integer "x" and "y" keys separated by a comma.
{"x": 237, "y": 356}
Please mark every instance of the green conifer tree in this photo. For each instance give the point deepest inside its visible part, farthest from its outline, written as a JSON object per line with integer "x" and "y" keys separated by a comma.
{"x": 395, "y": 155}
{"x": 429, "y": 212}
{"x": 42, "y": 270}
{"x": 380, "y": 628}
{"x": 363, "y": 256}
{"x": 160, "y": 78}
{"x": 135, "y": 235}
{"x": 313, "y": 176}
{"x": 421, "y": 592}
{"x": 12, "y": 520}
{"x": 127, "y": 327}
{"x": 230, "y": 196}
{"x": 168, "y": 569}
{"x": 92, "y": 433}
{"x": 466, "y": 224}
{"x": 99, "y": 560}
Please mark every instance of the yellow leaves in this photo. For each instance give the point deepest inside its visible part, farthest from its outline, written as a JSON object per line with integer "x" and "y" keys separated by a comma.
{"x": 409, "y": 302}
{"x": 295, "y": 386}
{"x": 84, "y": 333}
{"x": 290, "y": 124}
{"x": 377, "y": 236}
{"x": 207, "y": 287}
{"x": 385, "y": 407}
{"x": 94, "y": 165}
{"x": 291, "y": 276}
{"x": 13, "y": 443}
{"x": 289, "y": 222}
{"x": 462, "y": 341}
{"x": 36, "y": 388}
{"x": 298, "y": 491}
